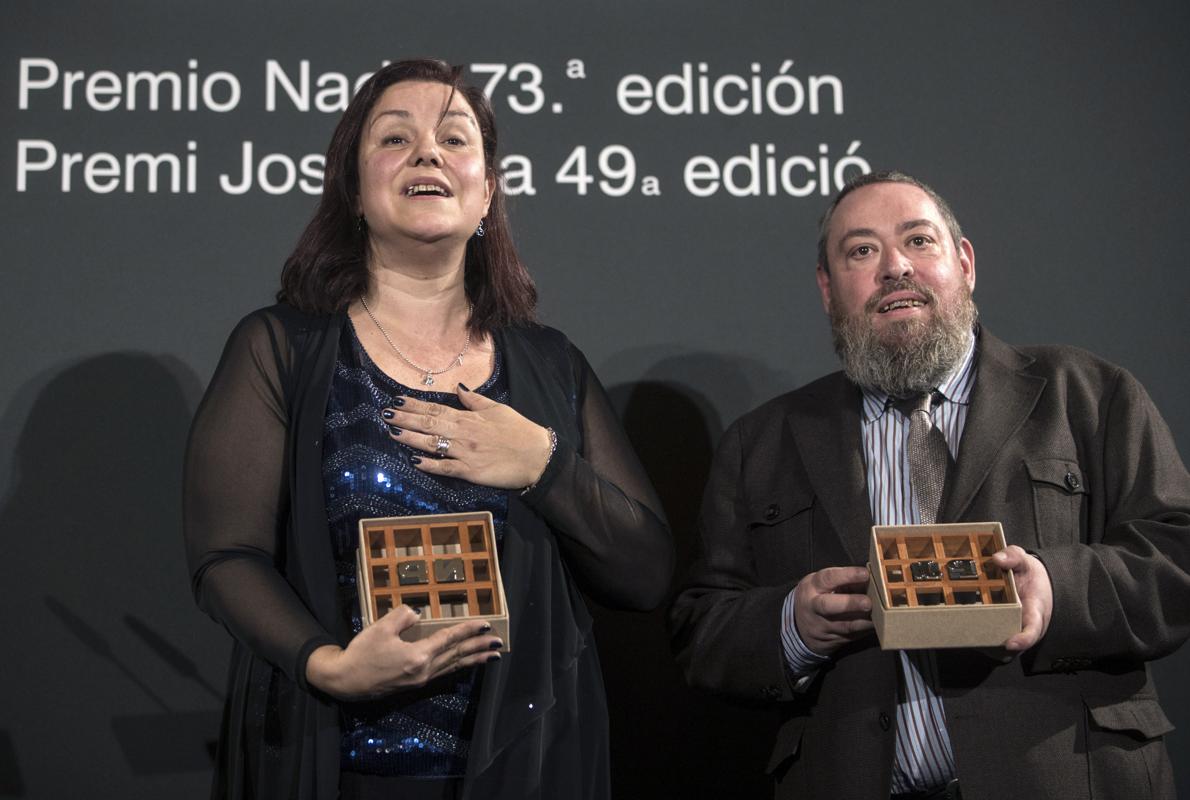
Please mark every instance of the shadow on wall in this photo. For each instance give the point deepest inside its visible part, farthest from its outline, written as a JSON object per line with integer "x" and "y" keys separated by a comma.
{"x": 11, "y": 784}
{"x": 94, "y": 587}
{"x": 668, "y": 740}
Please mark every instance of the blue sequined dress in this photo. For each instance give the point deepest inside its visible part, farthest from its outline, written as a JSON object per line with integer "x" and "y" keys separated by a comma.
{"x": 422, "y": 732}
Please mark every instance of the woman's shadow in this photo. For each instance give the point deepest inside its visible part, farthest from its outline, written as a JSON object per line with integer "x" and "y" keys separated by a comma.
{"x": 93, "y": 583}
{"x": 668, "y": 740}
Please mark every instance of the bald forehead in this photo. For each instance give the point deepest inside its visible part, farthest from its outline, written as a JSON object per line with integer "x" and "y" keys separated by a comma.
{"x": 887, "y": 200}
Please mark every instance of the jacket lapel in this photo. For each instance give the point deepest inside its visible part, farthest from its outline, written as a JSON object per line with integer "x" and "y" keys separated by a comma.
{"x": 825, "y": 425}
{"x": 1001, "y": 400}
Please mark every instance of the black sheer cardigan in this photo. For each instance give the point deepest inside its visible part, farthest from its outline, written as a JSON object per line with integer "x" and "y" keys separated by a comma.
{"x": 260, "y": 560}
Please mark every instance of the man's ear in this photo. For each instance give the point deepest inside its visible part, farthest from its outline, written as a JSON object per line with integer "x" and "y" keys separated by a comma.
{"x": 824, "y": 287}
{"x": 967, "y": 262}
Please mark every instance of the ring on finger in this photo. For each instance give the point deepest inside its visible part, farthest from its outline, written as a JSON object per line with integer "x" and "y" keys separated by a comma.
{"x": 441, "y": 447}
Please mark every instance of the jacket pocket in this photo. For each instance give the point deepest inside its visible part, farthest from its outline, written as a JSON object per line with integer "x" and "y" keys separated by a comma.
{"x": 1125, "y": 749}
{"x": 1139, "y": 717}
{"x": 1058, "y": 496}
{"x": 780, "y": 529}
{"x": 785, "y": 749}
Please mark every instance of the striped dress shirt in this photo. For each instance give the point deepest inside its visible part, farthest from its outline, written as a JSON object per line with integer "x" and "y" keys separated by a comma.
{"x": 924, "y": 758}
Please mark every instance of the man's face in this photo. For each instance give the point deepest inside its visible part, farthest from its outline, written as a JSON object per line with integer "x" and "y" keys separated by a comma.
{"x": 892, "y": 260}
{"x": 898, "y": 291}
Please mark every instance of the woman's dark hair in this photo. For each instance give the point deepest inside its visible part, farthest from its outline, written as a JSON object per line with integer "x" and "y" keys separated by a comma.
{"x": 328, "y": 268}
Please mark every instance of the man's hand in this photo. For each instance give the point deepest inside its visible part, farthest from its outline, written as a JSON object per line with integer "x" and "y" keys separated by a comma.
{"x": 1035, "y": 591}
{"x": 830, "y": 608}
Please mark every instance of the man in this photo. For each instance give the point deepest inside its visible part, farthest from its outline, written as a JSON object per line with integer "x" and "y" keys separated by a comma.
{"x": 1065, "y": 450}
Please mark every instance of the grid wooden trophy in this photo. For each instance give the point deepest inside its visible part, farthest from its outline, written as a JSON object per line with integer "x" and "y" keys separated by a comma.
{"x": 444, "y": 564}
{"x": 937, "y": 586}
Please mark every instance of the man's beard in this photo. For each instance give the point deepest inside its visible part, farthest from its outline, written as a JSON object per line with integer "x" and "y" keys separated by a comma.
{"x": 908, "y": 357}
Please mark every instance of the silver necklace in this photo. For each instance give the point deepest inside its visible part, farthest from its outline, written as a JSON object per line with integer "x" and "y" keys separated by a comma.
{"x": 428, "y": 374}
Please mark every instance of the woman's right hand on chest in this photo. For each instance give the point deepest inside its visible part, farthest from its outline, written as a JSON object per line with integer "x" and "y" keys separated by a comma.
{"x": 378, "y": 661}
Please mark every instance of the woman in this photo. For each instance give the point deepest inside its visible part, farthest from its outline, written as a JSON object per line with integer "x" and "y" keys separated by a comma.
{"x": 327, "y": 408}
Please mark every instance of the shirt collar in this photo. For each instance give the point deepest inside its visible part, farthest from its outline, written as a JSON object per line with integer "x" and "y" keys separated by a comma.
{"x": 956, "y": 388}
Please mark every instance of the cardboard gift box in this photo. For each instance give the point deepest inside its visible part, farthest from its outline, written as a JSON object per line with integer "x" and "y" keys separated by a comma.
{"x": 937, "y": 586}
{"x": 444, "y": 564}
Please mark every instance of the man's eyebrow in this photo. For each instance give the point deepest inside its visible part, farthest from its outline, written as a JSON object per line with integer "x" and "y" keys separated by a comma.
{"x": 909, "y": 225}
{"x": 853, "y": 233}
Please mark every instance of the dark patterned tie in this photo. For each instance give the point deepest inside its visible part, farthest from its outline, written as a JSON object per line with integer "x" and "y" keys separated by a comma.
{"x": 928, "y": 455}
{"x": 921, "y": 733}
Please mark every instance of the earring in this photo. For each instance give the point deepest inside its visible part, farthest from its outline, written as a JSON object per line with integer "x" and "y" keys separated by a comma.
{"x": 361, "y": 224}
{"x": 480, "y": 231}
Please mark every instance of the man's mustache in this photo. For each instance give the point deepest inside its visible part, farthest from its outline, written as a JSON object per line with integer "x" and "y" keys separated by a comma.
{"x": 902, "y": 285}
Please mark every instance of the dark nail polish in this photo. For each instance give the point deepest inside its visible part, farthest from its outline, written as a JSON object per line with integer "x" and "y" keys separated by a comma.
{"x": 416, "y": 610}
{"x": 493, "y": 657}
{"x": 463, "y": 386}
{"x": 387, "y": 414}
{"x": 496, "y": 645}
{"x": 414, "y": 460}
{"x": 400, "y": 401}
{"x": 485, "y": 628}
{"x": 394, "y": 430}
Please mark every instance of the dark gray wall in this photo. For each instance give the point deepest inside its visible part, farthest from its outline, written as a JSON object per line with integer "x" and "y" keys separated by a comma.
{"x": 1058, "y": 133}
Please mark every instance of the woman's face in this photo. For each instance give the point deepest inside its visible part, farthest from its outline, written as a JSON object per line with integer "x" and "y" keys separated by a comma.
{"x": 422, "y": 175}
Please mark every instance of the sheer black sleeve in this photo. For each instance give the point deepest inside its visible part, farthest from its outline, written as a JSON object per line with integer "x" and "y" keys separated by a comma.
{"x": 599, "y": 501}
{"x": 235, "y": 502}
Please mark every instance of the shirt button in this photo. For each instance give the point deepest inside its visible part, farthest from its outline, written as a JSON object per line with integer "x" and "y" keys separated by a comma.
{"x": 885, "y": 722}
{"x": 772, "y": 511}
{"x": 1072, "y": 482}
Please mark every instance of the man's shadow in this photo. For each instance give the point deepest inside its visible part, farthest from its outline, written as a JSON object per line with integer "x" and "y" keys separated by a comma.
{"x": 668, "y": 740}
{"x": 119, "y": 668}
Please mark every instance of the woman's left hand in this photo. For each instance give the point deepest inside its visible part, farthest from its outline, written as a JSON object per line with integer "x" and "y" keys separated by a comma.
{"x": 490, "y": 444}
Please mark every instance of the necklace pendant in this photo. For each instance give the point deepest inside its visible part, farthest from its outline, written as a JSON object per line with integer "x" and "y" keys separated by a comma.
{"x": 428, "y": 380}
